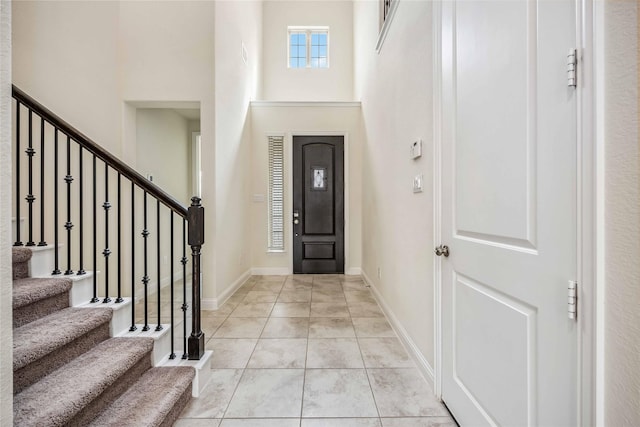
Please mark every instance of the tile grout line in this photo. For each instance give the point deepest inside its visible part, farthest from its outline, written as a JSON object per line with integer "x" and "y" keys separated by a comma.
{"x": 364, "y": 364}
{"x": 244, "y": 370}
{"x": 306, "y": 356}
{"x": 235, "y": 389}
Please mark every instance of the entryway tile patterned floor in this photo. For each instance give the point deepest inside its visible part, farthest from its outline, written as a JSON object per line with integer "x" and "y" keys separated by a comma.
{"x": 309, "y": 351}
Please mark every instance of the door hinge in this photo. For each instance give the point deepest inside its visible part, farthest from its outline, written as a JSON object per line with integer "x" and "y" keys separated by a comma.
{"x": 572, "y": 67}
{"x": 573, "y": 300}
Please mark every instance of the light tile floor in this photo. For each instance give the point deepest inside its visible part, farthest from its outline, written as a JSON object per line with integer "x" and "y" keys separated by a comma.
{"x": 309, "y": 351}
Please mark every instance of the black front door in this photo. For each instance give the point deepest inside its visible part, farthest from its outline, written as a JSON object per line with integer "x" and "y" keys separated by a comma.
{"x": 318, "y": 204}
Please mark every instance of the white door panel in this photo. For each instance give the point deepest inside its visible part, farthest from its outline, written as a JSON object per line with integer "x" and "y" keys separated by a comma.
{"x": 504, "y": 391}
{"x": 492, "y": 83}
{"x": 508, "y": 212}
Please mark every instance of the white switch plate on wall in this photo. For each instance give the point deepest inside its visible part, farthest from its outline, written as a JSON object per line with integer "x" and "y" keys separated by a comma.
{"x": 417, "y": 183}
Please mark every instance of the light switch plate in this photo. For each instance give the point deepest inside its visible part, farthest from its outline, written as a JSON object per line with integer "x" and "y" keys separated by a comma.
{"x": 416, "y": 149}
{"x": 417, "y": 183}
{"x": 245, "y": 54}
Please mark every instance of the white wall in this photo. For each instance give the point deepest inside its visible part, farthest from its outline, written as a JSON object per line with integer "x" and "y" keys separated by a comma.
{"x": 330, "y": 84}
{"x": 622, "y": 215}
{"x": 395, "y": 87}
{"x": 289, "y": 120}
{"x": 6, "y": 288}
{"x": 163, "y": 150}
{"x": 236, "y": 85}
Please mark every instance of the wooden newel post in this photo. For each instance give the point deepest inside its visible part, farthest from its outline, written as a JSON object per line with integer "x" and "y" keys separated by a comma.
{"x": 195, "y": 218}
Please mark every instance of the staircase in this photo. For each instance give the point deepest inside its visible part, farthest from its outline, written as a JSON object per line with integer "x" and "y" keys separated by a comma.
{"x": 99, "y": 346}
{"x": 68, "y": 371}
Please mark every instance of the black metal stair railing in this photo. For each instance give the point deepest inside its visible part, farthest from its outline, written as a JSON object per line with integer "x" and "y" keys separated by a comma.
{"x": 109, "y": 225}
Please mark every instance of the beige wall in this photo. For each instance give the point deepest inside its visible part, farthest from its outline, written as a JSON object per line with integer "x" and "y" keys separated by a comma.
{"x": 163, "y": 150}
{"x": 170, "y": 59}
{"x": 6, "y": 330}
{"x": 69, "y": 63}
{"x": 236, "y": 85}
{"x": 395, "y": 87}
{"x": 289, "y": 120}
{"x": 622, "y": 215}
{"x": 284, "y": 84}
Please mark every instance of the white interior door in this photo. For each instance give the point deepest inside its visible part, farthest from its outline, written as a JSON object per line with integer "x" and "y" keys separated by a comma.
{"x": 508, "y": 212}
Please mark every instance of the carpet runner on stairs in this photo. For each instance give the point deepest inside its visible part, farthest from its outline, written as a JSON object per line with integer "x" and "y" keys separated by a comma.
{"x": 69, "y": 372}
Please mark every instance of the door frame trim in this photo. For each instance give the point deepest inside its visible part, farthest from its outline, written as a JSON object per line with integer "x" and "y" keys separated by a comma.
{"x": 288, "y": 203}
{"x": 589, "y": 200}
{"x": 436, "y": 17}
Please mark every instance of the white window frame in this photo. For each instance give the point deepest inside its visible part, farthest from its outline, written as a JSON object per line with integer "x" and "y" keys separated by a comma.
{"x": 275, "y": 196}
{"x": 309, "y": 31}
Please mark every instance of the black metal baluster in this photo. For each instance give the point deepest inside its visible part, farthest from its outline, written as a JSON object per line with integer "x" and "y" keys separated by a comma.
{"x": 68, "y": 225}
{"x": 145, "y": 279}
{"x": 30, "y": 198}
{"x": 56, "y": 238}
{"x": 80, "y": 212}
{"x": 159, "y": 326}
{"x": 185, "y": 306}
{"x": 42, "y": 241}
{"x": 18, "y": 222}
{"x": 95, "y": 233}
{"x": 133, "y": 258}
{"x": 106, "y": 252}
{"x": 119, "y": 298}
{"x": 173, "y": 354}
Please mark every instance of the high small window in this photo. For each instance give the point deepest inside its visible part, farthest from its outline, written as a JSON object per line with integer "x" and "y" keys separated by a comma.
{"x": 276, "y": 193}
{"x": 308, "y": 47}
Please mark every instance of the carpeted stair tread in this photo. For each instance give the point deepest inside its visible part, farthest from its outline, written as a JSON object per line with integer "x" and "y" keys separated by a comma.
{"x": 20, "y": 254}
{"x": 20, "y": 262}
{"x": 30, "y": 290}
{"x": 60, "y": 396}
{"x": 34, "y": 298}
{"x": 152, "y": 400}
{"x": 43, "y": 336}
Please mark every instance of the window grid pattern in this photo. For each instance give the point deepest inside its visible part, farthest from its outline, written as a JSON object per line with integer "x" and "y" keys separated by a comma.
{"x": 308, "y": 48}
{"x": 276, "y": 193}
{"x": 297, "y": 49}
{"x": 319, "y": 49}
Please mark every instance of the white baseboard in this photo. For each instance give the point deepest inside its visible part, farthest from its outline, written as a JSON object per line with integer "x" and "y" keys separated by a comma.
{"x": 209, "y": 304}
{"x": 423, "y": 365}
{"x": 284, "y": 271}
{"x": 271, "y": 271}
{"x": 215, "y": 303}
{"x": 353, "y": 271}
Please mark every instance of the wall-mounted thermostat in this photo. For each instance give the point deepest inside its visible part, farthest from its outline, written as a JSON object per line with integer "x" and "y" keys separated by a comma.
{"x": 416, "y": 149}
